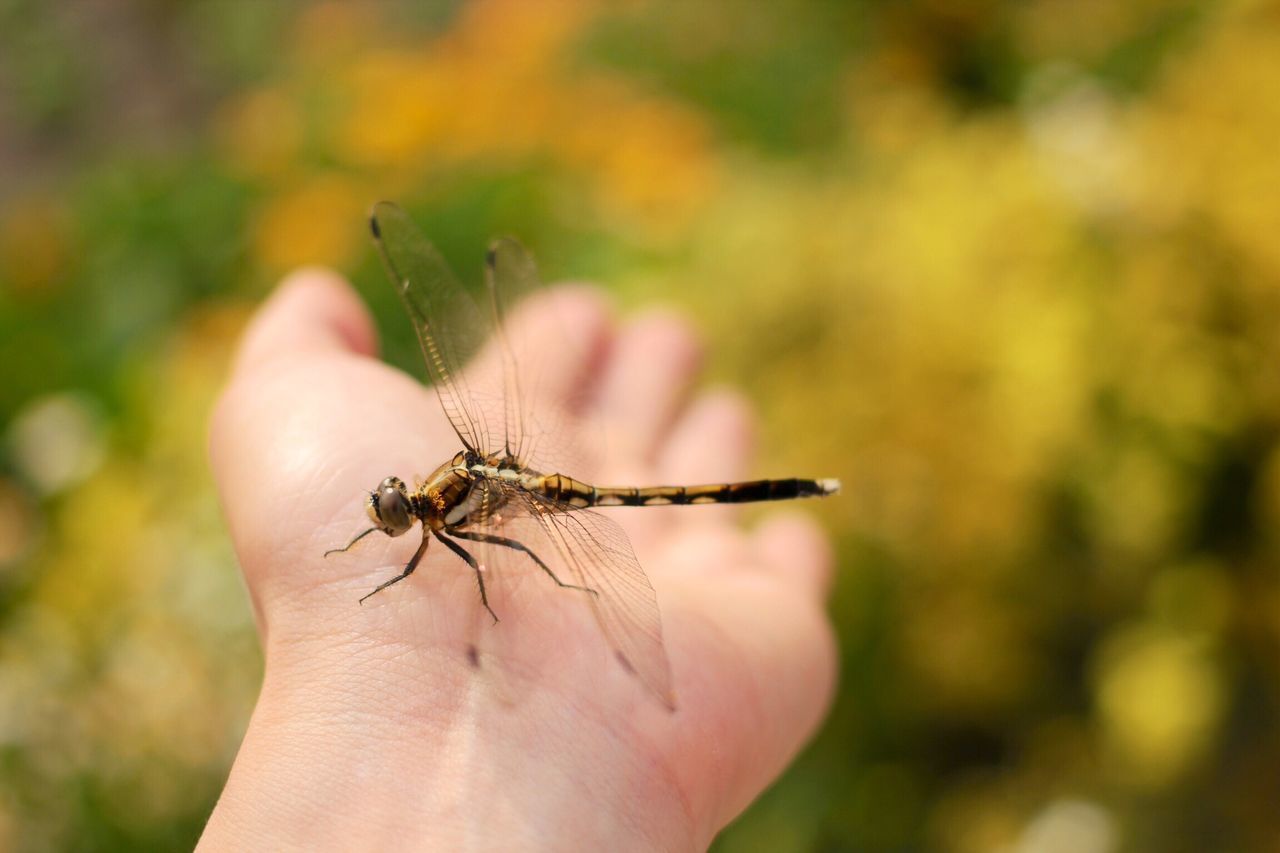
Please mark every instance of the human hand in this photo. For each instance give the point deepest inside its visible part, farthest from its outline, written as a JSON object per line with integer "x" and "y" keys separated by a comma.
{"x": 373, "y": 729}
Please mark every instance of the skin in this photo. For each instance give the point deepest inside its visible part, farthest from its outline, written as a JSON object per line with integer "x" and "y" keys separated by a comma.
{"x": 374, "y": 729}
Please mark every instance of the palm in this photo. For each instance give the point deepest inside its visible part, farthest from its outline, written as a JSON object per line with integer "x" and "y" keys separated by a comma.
{"x": 311, "y": 425}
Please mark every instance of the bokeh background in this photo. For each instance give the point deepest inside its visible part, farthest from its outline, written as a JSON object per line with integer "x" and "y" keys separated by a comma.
{"x": 1010, "y": 269}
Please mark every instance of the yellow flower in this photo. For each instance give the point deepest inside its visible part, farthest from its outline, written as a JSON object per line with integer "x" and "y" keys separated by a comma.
{"x": 651, "y": 159}
{"x": 1161, "y": 700}
{"x": 330, "y": 32}
{"x": 1210, "y": 132}
{"x": 261, "y": 132}
{"x": 398, "y": 104}
{"x": 315, "y": 223}
{"x": 34, "y": 245}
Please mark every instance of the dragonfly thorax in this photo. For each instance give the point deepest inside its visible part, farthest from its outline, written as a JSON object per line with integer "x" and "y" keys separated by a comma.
{"x": 442, "y": 501}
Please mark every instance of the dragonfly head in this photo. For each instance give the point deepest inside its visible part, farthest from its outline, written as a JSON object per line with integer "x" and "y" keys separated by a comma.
{"x": 390, "y": 508}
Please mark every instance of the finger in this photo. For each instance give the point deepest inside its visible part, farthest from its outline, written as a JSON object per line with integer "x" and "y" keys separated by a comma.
{"x": 711, "y": 441}
{"x": 293, "y": 421}
{"x": 755, "y": 671}
{"x": 653, "y": 364}
{"x": 581, "y": 321}
{"x": 313, "y": 311}
{"x": 558, "y": 339}
{"x": 792, "y": 545}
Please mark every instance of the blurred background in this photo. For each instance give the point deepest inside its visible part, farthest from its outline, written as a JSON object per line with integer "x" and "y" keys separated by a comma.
{"x": 1010, "y": 269}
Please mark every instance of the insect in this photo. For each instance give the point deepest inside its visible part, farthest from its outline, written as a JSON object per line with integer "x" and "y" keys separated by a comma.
{"x": 502, "y": 492}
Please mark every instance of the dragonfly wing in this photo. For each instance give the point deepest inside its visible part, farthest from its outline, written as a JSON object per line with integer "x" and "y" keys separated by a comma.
{"x": 545, "y": 363}
{"x": 451, "y": 328}
{"x": 510, "y": 276}
{"x": 586, "y": 549}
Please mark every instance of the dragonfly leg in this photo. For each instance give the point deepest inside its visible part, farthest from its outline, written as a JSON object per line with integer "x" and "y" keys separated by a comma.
{"x": 408, "y": 569}
{"x": 350, "y": 544}
{"x": 519, "y": 546}
{"x": 475, "y": 567}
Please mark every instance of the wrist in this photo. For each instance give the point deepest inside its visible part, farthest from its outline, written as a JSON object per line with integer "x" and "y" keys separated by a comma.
{"x": 335, "y": 757}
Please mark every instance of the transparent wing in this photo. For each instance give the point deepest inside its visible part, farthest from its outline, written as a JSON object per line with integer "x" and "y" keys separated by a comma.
{"x": 585, "y": 549}
{"x": 488, "y": 379}
{"x": 450, "y": 325}
{"x": 544, "y": 429}
{"x": 487, "y": 374}
{"x": 510, "y": 276}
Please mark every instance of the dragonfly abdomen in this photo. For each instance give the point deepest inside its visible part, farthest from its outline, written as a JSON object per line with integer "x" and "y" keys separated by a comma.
{"x": 580, "y": 494}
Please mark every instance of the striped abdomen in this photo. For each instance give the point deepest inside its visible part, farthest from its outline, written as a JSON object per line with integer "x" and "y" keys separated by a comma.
{"x": 580, "y": 494}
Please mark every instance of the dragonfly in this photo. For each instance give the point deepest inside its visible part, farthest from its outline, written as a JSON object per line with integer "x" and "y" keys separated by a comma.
{"x": 503, "y": 491}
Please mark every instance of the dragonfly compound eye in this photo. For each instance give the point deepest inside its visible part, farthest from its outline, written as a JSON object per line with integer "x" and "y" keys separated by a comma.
{"x": 389, "y": 507}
